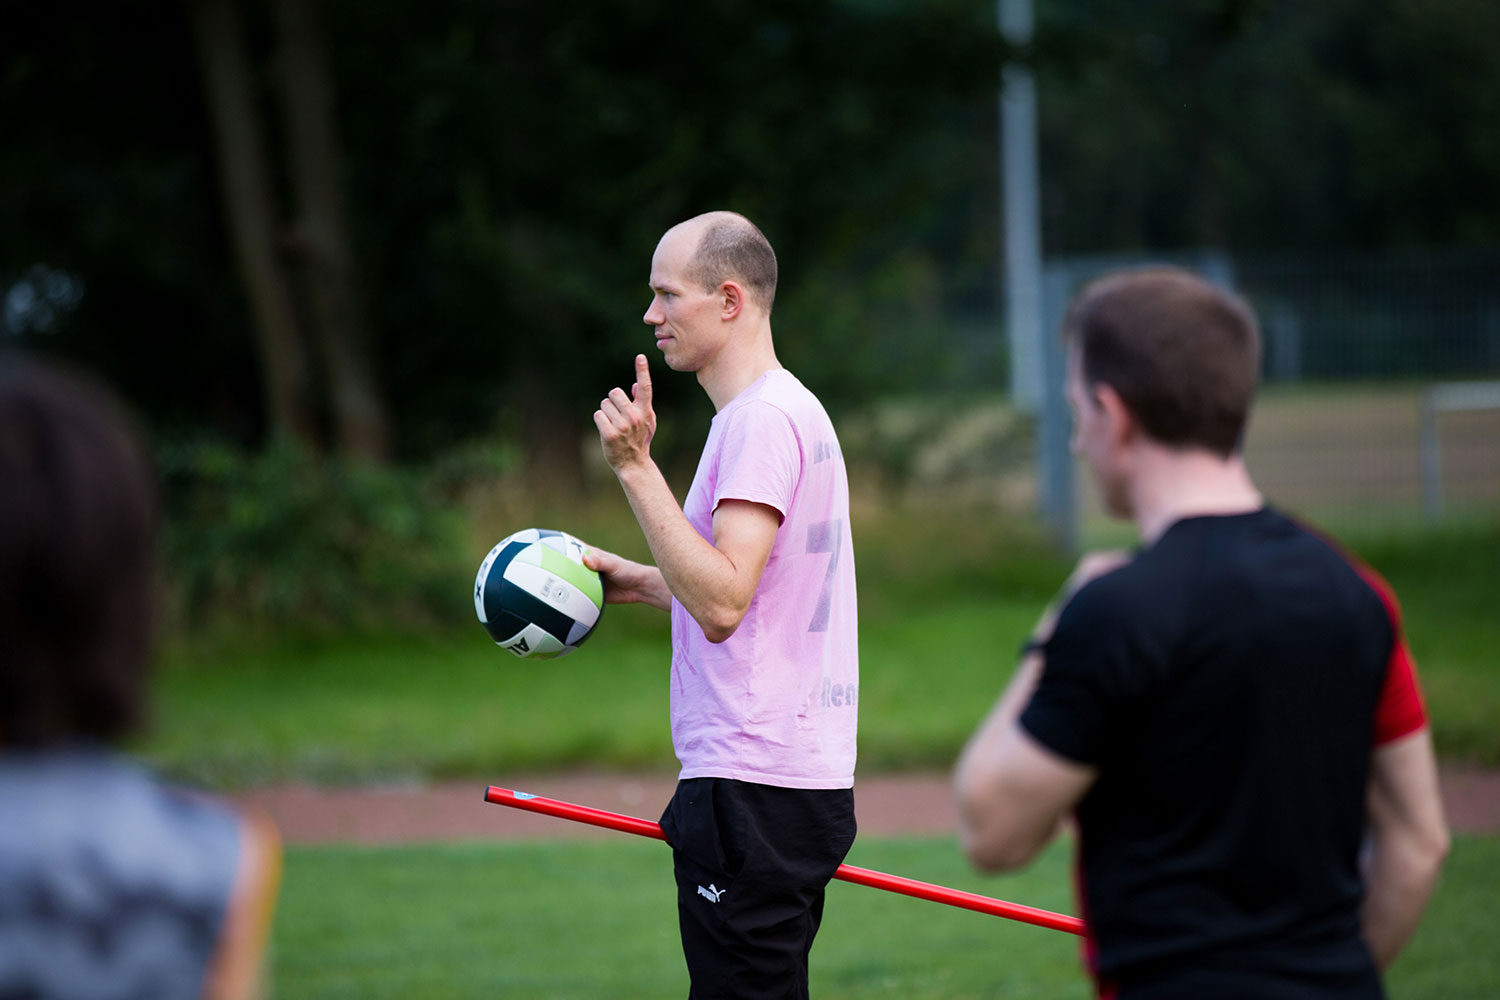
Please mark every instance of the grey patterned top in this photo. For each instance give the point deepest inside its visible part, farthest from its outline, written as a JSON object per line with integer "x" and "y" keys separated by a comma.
{"x": 112, "y": 885}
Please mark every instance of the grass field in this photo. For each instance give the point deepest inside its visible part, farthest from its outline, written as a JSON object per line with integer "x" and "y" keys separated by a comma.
{"x": 944, "y": 602}
{"x": 597, "y": 919}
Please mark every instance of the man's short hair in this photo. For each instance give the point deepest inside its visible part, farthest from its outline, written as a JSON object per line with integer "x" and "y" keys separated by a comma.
{"x": 733, "y": 248}
{"x": 1183, "y": 354}
{"x": 78, "y": 523}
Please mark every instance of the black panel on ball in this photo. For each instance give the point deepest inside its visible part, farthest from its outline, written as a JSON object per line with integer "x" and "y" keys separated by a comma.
{"x": 508, "y": 599}
{"x": 502, "y": 626}
{"x": 494, "y": 608}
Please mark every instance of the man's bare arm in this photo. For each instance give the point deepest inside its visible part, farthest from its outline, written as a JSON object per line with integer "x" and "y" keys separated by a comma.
{"x": 714, "y": 581}
{"x": 1013, "y": 792}
{"x": 627, "y": 581}
{"x": 1408, "y": 841}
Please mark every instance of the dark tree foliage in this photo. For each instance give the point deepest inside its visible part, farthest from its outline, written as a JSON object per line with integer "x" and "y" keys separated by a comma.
{"x": 1269, "y": 124}
{"x": 510, "y": 165}
{"x": 521, "y": 160}
{"x": 106, "y": 177}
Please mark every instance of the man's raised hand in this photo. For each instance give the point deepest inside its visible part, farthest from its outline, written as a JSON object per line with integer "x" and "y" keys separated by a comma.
{"x": 626, "y": 425}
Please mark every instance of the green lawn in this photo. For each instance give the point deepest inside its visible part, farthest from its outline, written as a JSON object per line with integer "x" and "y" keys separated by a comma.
{"x": 945, "y": 598}
{"x": 598, "y": 919}
{"x": 944, "y": 601}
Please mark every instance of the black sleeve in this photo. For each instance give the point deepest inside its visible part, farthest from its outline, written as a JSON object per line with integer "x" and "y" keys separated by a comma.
{"x": 1086, "y": 677}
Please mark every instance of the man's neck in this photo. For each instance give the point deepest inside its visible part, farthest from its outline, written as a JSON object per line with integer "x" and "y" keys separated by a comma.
{"x": 1173, "y": 485}
{"x": 743, "y": 360}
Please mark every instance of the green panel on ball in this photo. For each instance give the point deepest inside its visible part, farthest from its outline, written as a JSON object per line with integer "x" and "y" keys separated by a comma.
{"x": 580, "y": 576}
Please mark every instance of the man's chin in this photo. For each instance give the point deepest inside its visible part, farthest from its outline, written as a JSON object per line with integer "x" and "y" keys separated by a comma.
{"x": 673, "y": 360}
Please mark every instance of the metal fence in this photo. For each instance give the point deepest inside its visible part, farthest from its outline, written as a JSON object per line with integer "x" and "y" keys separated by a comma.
{"x": 1381, "y": 402}
{"x": 1387, "y": 316}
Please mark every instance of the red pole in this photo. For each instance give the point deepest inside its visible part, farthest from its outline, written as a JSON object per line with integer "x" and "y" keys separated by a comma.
{"x": 846, "y": 873}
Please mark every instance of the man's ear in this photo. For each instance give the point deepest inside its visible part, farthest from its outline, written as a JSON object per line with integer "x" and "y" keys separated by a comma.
{"x": 1123, "y": 426}
{"x": 731, "y": 300}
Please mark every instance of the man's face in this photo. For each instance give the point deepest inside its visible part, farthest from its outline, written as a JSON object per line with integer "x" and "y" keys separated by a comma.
{"x": 689, "y": 329}
{"x": 1094, "y": 438}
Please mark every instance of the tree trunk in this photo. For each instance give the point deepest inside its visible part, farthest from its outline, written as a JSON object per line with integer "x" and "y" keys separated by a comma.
{"x": 322, "y": 233}
{"x": 250, "y": 208}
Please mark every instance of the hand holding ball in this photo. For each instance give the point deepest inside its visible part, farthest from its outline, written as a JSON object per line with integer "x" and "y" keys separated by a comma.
{"x": 534, "y": 595}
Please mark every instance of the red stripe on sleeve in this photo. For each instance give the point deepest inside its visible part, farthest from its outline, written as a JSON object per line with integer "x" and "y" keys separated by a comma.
{"x": 1401, "y": 710}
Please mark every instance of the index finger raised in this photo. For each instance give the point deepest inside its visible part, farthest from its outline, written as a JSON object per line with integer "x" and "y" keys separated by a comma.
{"x": 642, "y": 380}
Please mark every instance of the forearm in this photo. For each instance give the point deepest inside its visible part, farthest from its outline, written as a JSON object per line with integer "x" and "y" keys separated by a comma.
{"x": 1007, "y": 709}
{"x": 698, "y": 575}
{"x": 653, "y": 589}
{"x": 1013, "y": 792}
{"x": 987, "y": 827}
{"x": 970, "y": 773}
{"x": 1408, "y": 841}
{"x": 1399, "y": 881}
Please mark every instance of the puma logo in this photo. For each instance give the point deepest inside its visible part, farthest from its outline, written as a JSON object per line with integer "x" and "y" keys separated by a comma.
{"x": 712, "y": 893}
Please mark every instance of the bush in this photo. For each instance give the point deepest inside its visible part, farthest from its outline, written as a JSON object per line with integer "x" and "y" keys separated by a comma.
{"x": 290, "y": 538}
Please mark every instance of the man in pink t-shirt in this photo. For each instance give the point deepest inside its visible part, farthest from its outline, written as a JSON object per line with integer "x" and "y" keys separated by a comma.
{"x": 757, "y": 571}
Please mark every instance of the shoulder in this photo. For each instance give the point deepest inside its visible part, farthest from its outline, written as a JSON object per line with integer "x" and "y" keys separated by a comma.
{"x": 1117, "y": 597}
{"x": 784, "y": 392}
{"x": 1362, "y": 582}
{"x": 1119, "y": 630}
{"x": 768, "y": 419}
{"x": 143, "y": 828}
{"x": 759, "y": 409}
{"x": 759, "y": 420}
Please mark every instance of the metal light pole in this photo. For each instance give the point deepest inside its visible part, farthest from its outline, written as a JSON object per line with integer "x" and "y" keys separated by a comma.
{"x": 1036, "y": 370}
{"x": 1021, "y": 217}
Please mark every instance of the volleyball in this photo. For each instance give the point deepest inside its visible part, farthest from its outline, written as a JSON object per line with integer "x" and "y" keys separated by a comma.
{"x": 535, "y": 597}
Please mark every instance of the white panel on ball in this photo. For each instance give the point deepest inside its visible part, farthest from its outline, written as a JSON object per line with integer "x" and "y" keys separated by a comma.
{"x": 545, "y": 587}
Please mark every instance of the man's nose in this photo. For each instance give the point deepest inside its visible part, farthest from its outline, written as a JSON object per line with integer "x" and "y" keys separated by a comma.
{"x": 655, "y": 316}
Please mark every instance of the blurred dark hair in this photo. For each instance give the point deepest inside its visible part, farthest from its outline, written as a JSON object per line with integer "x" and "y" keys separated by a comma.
{"x": 78, "y": 529}
{"x": 1183, "y": 354}
{"x": 734, "y": 247}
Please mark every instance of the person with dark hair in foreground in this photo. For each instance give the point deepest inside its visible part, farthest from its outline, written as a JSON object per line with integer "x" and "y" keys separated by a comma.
{"x": 757, "y": 571}
{"x": 113, "y": 886}
{"x": 1231, "y": 713}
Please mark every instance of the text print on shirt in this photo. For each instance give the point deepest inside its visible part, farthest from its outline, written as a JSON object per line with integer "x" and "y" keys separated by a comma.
{"x": 825, "y": 536}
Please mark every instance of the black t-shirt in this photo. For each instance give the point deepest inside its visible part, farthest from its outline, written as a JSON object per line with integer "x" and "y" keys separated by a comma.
{"x": 1226, "y": 683}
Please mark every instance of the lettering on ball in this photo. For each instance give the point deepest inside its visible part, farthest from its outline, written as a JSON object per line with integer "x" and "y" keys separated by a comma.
{"x": 555, "y": 592}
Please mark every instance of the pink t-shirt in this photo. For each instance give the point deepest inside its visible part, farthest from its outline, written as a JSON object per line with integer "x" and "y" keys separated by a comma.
{"x": 777, "y": 702}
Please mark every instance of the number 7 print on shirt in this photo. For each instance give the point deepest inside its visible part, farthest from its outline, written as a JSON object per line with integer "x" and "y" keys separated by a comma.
{"x": 825, "y": 536}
